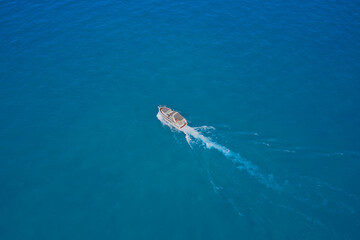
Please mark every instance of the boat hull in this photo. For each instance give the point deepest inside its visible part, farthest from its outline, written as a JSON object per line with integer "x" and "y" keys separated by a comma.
{"x": 168, "y": 117}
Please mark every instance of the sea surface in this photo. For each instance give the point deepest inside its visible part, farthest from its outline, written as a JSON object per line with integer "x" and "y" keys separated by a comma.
{"x": 270, "y": 89}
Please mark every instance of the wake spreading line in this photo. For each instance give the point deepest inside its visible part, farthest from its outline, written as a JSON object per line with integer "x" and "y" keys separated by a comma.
{"x": 243, "y": 164}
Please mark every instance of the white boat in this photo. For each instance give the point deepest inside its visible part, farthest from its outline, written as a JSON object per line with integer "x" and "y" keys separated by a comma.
{"x": 172, "y": 117}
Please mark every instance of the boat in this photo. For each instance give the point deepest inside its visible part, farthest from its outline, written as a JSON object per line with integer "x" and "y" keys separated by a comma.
{"x": 172, "y": 117}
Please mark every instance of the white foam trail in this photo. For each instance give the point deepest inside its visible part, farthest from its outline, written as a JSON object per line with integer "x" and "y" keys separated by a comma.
{"x": 205, "y": 128}
{"x": 244, "y": 164}
{"x": 188, "y": 139}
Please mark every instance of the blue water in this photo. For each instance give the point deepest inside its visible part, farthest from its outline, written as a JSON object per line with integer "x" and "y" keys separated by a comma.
{"x": 270, "y": 90}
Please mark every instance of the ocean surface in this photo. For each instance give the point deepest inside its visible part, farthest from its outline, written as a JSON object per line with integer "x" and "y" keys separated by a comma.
{"x": 270, "y": 89}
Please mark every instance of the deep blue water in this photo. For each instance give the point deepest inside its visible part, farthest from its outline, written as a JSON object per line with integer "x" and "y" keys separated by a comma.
{"x": 83, "y": 155}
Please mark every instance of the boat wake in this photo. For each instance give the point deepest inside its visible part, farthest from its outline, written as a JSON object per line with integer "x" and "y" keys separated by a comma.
{"x": 298, "y": 195}
{"x": 192, "y": 134}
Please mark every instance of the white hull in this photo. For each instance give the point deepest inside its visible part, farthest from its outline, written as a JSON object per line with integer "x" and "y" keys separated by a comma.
{"x": 172, "y": 117}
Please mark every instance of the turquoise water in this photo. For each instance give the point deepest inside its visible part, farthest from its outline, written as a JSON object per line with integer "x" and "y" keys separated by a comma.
{"x": 270, "y": 90}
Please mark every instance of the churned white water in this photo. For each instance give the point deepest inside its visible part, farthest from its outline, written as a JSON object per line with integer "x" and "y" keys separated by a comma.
{"x": 240, "y": 162}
